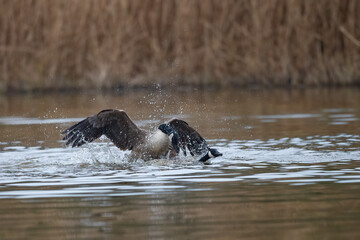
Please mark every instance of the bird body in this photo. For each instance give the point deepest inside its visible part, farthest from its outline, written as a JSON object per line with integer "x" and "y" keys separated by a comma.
{"x": 155, "y": 145}
{"x": 158, "y": 142}
{"x": 168, "y": 138}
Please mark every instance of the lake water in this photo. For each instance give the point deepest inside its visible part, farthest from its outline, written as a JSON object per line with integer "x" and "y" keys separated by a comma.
{"x": 290, "y": 169}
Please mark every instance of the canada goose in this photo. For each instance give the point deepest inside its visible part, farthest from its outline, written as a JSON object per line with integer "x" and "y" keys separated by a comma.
{"x": 170, "y": 137}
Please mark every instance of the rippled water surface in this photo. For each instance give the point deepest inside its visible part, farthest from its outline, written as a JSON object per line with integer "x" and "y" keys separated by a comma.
{"x": 290, "y": 169}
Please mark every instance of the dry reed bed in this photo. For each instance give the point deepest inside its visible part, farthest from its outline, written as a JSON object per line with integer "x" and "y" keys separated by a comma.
{"x": 89, "y": 44}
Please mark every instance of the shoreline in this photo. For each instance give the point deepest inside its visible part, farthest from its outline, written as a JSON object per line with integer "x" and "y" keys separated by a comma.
{"x": 168, "y": 88}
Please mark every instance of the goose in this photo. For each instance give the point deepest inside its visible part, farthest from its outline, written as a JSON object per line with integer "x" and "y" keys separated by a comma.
{"x": 168, "y": 138}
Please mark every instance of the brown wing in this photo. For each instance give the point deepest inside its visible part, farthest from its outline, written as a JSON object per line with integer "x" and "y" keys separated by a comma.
{"x": 114, "y": 124}
{"x": 189, "y": 137}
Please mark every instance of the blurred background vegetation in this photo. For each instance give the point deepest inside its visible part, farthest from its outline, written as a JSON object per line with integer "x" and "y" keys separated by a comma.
{"x": 59, "y": 44}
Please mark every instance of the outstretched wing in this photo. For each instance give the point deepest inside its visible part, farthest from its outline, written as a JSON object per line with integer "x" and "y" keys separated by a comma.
{"x": 189, "y": 137}
{"x": 114, "y": 124}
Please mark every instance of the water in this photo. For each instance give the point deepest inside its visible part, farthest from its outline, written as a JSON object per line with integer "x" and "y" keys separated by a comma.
{"x": 290, "y": 168}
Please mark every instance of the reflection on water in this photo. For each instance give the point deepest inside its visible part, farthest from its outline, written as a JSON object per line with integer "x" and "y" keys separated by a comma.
{"x": 290, "y": 168}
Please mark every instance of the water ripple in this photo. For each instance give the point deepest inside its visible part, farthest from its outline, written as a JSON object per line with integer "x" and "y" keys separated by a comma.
{"x": 35, "y": 172}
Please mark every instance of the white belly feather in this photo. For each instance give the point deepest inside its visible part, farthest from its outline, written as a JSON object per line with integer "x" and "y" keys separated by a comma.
{"x": 158, "y": 144}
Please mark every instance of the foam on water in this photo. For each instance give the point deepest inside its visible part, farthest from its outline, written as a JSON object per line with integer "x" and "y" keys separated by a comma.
{"x": 98, "y": 168}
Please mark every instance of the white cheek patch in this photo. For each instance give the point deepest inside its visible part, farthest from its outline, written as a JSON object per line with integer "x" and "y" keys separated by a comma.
{"x": 210, "y": 155}
{"x": 171, "y": 136}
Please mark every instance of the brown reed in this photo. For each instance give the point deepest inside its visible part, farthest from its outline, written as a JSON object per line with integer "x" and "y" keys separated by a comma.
{"x": 56, "y": 44}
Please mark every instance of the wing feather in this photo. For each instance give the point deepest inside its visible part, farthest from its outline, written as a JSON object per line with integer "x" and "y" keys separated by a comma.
{"x": 189, "y": 137}
{"x": 114, "y": 124}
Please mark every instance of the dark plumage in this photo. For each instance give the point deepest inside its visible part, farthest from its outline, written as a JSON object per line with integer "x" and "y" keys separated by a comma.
{"x": 122, "y": 131}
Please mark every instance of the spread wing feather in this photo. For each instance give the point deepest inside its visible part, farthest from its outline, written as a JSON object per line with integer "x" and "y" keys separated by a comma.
{"x": 114, "y": 124}
{"x": 189, "y": 137}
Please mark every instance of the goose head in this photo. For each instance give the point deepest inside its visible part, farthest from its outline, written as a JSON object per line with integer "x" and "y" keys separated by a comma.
{"x": 173, "y": 135}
